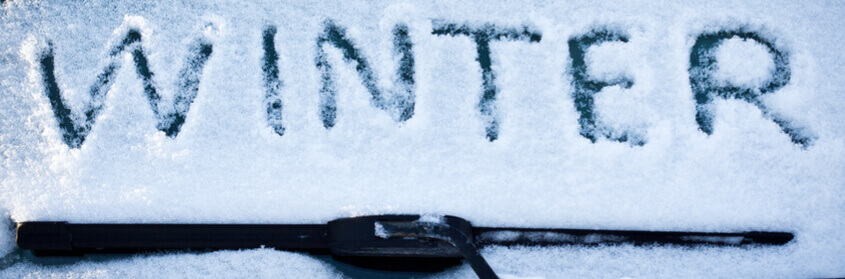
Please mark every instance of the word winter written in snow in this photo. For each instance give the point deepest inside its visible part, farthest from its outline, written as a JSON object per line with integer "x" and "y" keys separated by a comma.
{"x": 399, "y": 102}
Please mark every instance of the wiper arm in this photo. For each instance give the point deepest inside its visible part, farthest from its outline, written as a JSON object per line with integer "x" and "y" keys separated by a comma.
{"x": 441, "y": 231}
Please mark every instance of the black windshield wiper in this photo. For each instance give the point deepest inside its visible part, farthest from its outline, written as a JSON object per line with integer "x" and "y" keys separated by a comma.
{"x": 402, "y": 236}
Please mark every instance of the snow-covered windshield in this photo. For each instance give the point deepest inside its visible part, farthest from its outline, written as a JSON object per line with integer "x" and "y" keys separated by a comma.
{"x": 640, "y": 115}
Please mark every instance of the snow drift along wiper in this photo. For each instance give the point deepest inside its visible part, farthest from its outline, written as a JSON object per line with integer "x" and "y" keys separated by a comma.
{"x": 404, "y": 236}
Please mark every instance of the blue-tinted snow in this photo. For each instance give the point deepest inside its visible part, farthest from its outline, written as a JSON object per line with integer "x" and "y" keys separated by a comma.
{"x": 227, "y": 164}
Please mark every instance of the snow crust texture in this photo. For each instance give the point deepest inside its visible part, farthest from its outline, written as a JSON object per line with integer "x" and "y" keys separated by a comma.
{"x": 646, "y": 115}
{"x": 259, "y": 263}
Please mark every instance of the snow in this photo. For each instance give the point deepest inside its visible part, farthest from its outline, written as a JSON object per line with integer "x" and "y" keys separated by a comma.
{"x": 432, "y": 218}
{"x": 546, "y": 237}
{"x": 258, "y": 263}
{"x": 227, "y": 164}
{"x": 7, "y": 235}
{"x": 743, "y": 62}
{"x": 380, "y": 231}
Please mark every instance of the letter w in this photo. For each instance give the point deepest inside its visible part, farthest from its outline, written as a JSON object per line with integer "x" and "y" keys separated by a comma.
{"x": 75, "y": 129}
